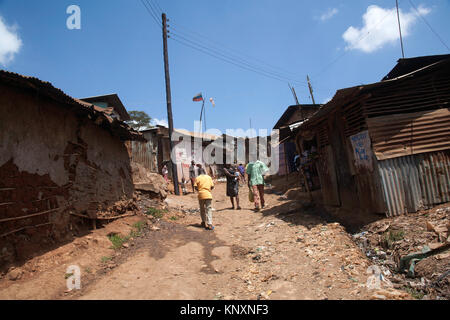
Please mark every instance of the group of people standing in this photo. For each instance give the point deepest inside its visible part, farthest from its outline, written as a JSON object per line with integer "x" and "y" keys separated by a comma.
{"x": 235, "y": 175}
{"x": 204, "y": 184}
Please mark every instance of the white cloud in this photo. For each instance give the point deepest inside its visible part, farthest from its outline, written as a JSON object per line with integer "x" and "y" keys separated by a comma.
{"x": 162, "y": 122}
{"x": 380, "y": 28}
{"x": 329, "y": 14}
{"x": 10, "y": 43}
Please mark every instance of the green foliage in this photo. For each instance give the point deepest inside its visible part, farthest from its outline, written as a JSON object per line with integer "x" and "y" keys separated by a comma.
{"x": 392, "y": 236}
{"x": 117, "y": 241}
{"x": 157, "y": 213}
{"x": 106, "y": 259}
{"x": 174, "y": 218}
{"x": 139, "y": 226}
{"x": 414, "y": 293}
{"x": 396, "y": 235}
{"x": 139, "y": 120}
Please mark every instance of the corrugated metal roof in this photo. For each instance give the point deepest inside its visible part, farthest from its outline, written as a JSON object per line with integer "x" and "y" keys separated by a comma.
{"x": 354, "y": 94}
{"x": 98, "y": 115}
{"x": 112, "y": 100}
{"x": 307, "y": 109}
{"x": 407, "y": 65}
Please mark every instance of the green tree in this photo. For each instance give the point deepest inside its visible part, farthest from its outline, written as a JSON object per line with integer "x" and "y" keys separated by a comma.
{"x": 139, "y": 120}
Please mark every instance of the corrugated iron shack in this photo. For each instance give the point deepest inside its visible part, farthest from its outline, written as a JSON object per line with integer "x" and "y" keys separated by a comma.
{"x": 150, "y": 154}
{"x": 385, "y": 147}
{"x": 155, "y": 152}
{"x": 292, "y": 118}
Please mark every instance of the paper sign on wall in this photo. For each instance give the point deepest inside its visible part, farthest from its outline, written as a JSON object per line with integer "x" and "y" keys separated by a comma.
{"x": 362, "y": 150}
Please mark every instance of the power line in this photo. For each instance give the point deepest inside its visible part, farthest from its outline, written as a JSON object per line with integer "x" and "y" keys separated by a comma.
{"x": 429, "y": 26}
{"x": 157, "y": 5}
{"x": 219, "y": 52}
{"x": 206, "y": 41}
{"x": 155, "y": 17}
{"x": 237, "y": 60}
{"x": 226, "y": 60}
{"x": 232, "y": 51}
{"x": 157, "y": 14}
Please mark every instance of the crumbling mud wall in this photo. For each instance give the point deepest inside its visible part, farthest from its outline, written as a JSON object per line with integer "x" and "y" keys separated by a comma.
{"x": 53, "y": 163}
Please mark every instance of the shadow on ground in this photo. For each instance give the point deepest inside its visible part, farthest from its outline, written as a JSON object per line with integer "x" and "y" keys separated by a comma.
{"x": 171, "y": 236}
{"x": 307, "y": 214}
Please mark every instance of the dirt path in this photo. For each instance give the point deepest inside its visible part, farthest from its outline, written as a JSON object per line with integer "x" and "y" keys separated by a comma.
{"x": 249, "y": 256}
{"x": 283, "y": 252}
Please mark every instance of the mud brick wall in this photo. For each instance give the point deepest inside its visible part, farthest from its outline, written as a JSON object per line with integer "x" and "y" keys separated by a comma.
{"x": 52, "y": 162}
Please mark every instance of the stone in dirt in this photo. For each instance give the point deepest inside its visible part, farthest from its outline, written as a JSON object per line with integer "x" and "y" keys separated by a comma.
{"x": 390, "y": 295}
{"x": 15, "y": 274}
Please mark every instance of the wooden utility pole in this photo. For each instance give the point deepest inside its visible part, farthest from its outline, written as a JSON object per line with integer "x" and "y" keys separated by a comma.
{"x": 294, "y": 94}
{"x": 400, "y": 29}
{"x": 169, "y": 105}
{"x": 311, "y": 90}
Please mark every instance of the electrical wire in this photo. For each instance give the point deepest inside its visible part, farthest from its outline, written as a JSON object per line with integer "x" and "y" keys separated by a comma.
{"x": 155, "y": 17}
{"x": 226, "y": 60}
{"x": 236, "y": 60}
{"x": 225, "y": 53}
{"x": 232, "y": 54}
{"x": 154, "y": 10}
{"x": 429, "y": 26}
{"x": 158, "y": 6}
{"x": 231, "y": 51}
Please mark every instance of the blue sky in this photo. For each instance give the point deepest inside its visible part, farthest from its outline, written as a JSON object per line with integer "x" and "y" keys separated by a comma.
{"x": 119, "y": 49}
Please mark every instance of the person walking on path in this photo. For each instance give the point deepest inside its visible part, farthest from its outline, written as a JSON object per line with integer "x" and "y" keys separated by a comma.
{"x": 255, "y": 172}
{"x": 183, "y": 186}
{"x": 165, "y": 173}
{"x": 232, "y": 176}
{"x": 200, "y": 169}
{"x": 204, "y": 184}
{"x": 241, "y": 169}
{"x": 192, "y": 175}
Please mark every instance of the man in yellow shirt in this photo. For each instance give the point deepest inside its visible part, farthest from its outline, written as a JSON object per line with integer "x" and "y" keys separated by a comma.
{"x": 204, "y": 184}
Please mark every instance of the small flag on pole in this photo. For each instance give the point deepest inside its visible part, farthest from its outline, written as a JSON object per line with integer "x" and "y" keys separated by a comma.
{"x": 198, "y": 97}
{"x": 212, "y": 101}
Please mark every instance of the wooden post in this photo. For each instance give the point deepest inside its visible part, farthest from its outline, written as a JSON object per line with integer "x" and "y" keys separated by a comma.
{"x": 169, "y": 105}
{"x": 400, "y": 29}
{"x": 310, "y": 90}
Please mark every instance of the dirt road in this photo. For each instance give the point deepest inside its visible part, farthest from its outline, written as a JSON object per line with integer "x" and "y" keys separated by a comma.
{"x": 283, "y": 252}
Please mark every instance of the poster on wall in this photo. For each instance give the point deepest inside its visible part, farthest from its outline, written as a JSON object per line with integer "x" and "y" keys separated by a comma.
{"x": 362, "y": 150}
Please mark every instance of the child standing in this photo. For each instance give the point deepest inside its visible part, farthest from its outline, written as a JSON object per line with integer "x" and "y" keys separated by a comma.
{"x": 183, "y": 186}
{"x": 204, "y": 184}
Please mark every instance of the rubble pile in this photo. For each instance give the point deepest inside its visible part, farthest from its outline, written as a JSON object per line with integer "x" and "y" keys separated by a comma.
{"x": 124, "y": 207}
{"x": 149, "y": 183}
{"x": 412, "y": 252}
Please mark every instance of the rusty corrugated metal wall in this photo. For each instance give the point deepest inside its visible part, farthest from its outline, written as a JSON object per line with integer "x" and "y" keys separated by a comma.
{"x": 411, "y": 133}
{"x": 415, "y": 182}
{"x": 146, "y": 153}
